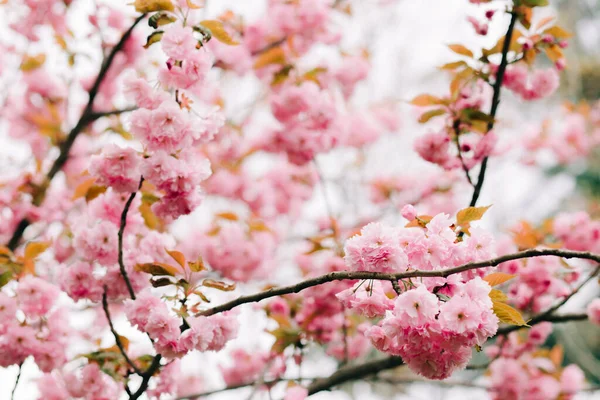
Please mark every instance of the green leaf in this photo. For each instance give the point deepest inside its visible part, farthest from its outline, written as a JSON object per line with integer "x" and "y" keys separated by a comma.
{"x": 426, "y": 116}
{"x": 154, "y": 38}
{"x": 507, "y": 314}
{"x": 5, "y": 277}
{"x": 536, "y": 3}
{"x": 160, "y": 19}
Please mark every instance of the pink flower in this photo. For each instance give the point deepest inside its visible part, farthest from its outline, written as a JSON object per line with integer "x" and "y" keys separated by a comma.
{"x": 481, "y": 28}
{"x": 199, "y": 336}
{"x": 376, "y": 249}
{"x": 246, "y": 367}
{"x": 296, "y": 393}
{"x": 593, "y": 311}
{"x": 571, "y": 381}
{"x": 366, "y": 299}
{"x": 416, "y": 307}
{"x": 139, "y": 91}
{"x": 138, "y": 311}
{"x": 178, "y": 42}
{"x": 434, "y": 147}
{"x": 97, "y": 242}
{"x": 539, "y": 333}
{"x": 52, "y": 388}
{"x": 8, "y": 309}
{"x": 181, "y": 174}
{"x": 36, "y": 296}
{"x": 409, "y": 212}
{"x": 116, "y": 167}
{"x": 459, "y": 316}
{"x": 79, "y": 282}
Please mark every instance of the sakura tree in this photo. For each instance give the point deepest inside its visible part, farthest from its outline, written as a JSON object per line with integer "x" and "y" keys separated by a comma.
{"x": 176, "y": 200}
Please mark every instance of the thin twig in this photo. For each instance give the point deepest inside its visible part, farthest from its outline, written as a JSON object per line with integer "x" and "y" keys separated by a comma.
{"x": 548, "y": 314}
{"x": 456, "y": 127}
{"x": 350, "y": 373}
{"x": 96, "y": 115}
{"x": 85, "y": 119}
{"x": 12, "y": 395}
{"x": 121, "y": 230}
{"x": 355, "y": 275}
{"x": 116, "y": 335}
{"x": 146, "y": 377}
{"x": 495, "y": 102}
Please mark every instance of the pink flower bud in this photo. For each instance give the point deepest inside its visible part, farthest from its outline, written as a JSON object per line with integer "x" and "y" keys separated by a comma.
{"x": 409, "y": 212}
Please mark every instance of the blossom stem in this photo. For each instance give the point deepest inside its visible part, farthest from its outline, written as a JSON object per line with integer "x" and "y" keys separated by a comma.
{"x": 116, "y": 335}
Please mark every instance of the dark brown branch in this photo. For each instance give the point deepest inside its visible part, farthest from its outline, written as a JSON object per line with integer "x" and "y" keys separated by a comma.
{"x": 87, "y": 117}
{"x": 121, "y": 230}
{"x": 351, "y": 373}
{"x": 97, "y": 115}
{"x": 270, "y": 46}
{"x": 456, "y": 127}
{"x": 549, "y": 315}
{"x": 348, "y": 275}
{"x": 12, "y": 394}
{"x": 146, "y": 377}
{"x": 495, "y": 102}
{"x": 116, "y": 335}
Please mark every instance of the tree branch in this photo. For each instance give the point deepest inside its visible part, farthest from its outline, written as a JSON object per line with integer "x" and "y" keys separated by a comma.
{"x": 146, "y": 377}
{"x": 353, "y": 372}
{"x": 548, "y": 314}
{"x": 87, "y": 117}
{"x": 495, "y": 102}
{"x": 12, "y": 394}
{"x": 121, "y": 230}
{"x": 97, "y": 115}
{"x": 116, "y": 335}
{"x": 349, "y": 275}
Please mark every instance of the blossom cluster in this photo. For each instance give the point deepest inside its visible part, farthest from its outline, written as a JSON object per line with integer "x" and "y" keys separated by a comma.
{"x": 32, "y": 324}
{"x": 151, "y": 315}
{"x": 521, "y": 370}
{"x": 434, "y": 337}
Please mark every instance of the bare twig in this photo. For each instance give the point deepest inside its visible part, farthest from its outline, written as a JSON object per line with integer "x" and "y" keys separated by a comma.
{"x": 549, "y": 315}
{"x": 121, "y": 230}
{"x": 87, "y": 117}
{"x": 146, "y": 377}
{"x": 350, "y": 373}
{"x": 12, "y": 394}
{"x": 116, "y": 335}
{"x": 96, "y": 115}
{"x": 495, "y": 102}
{"x": 349, "y": 275}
